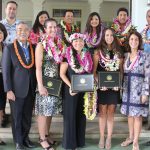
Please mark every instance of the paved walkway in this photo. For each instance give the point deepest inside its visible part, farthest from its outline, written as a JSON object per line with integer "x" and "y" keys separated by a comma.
{"x": 90, "y": 145}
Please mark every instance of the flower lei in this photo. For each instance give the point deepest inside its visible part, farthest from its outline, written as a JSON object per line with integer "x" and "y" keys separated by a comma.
{"x": 55, "y": 49}
{"x": 122, "y": 34}
{"x": 65, "y": 30}
{"x": 117, "y": 28}
{"x": 131, "y": 66}
{"x": 19, "y": 57}
{"x": 85, "y": 60}
{"x": 91, "y": 40}
{"x": 109, "y": 64}
{"x": 90, "y": 104}
{"x": 144, "y": 36}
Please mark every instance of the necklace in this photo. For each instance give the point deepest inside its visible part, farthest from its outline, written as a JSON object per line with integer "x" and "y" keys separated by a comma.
{"x": 84, "y": 59}
{"x": 91, "y": 40}
{"x": 55, "y": 49}
{"x": 66, "y": 31}
{"x": 131, "y": 66}
{"x": 19, "y": 57}
{"x": 144, "y": 36}
{"x": 109, "y": 64}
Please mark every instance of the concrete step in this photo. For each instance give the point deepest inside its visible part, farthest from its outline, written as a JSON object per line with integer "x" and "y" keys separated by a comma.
{"x": 92, "y": 129}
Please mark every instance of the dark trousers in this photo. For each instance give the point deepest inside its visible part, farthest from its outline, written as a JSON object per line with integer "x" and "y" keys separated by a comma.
{"x": 74, "y": 122}
{"x": 21, "y": 112}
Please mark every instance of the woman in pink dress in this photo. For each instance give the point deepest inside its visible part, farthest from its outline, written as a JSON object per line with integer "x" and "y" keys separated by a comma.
{"x": 38, "y": 27}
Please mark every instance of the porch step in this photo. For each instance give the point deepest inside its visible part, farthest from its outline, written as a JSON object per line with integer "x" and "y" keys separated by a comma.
{"x": 92, "y": 128}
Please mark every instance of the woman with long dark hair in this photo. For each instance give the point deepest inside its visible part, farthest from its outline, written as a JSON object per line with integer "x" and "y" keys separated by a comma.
{"x": 107, "y": 58}
{"x": 38, "y": 27}
{"x": 136, "y": 88}
{"x": 93, "y": 31}
{"x": 78, "y": 61}
{"x": 3, "y": 35}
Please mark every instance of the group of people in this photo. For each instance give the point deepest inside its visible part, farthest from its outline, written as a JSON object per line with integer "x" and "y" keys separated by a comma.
{"x": 59, "y": 51}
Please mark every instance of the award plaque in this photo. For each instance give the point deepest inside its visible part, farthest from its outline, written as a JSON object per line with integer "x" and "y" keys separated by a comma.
{"x": 109, "y": 79}
{"x": 82, "y": 83}
{"x": 52, "y": 85}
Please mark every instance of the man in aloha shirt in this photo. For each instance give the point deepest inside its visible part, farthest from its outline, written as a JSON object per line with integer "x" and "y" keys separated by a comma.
{"x": 122, "y": 26}
{"x": 146, "y": 34}
{"x": 10, "y": 21}
{"x": 67, "y": 27}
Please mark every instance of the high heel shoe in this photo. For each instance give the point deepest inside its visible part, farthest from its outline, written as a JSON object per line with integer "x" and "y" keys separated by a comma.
{"x": 108, "y": 144}
{"x": 135, "y": 146}
{"x": 45, "y": 148}
{"x": 51, "y": 142}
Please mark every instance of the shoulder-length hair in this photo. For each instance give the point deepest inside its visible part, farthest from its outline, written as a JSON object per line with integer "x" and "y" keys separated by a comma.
{"x": 89, "y": 28}
{"x": 140, "y": 40}
{"x": 115, "y": 44}
{"x": 37, "y": 25}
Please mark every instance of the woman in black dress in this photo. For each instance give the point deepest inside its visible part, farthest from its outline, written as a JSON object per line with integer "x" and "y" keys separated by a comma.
{"x": 3, "y": 35}
{"x": 78, "y": 61}
{"x": 107, "y": 58}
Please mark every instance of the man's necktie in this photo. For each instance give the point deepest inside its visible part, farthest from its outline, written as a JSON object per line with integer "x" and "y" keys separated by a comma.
{"x": 26, "y": 52}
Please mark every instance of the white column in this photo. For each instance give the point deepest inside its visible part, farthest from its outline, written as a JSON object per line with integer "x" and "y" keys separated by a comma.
{"x": 37, "y": 7}
{"x": 139, "y": 9}
{"x": 95, "y": 5}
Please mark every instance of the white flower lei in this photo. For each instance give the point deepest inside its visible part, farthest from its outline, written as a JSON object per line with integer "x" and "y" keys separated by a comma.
{"x": 109, "y": 64}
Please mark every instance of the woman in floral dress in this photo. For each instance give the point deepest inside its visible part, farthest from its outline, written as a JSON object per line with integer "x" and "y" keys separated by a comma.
{"x": 48, "y": 56}
{"x": 135, "y": 88}
{"x": 38, "y": 27}
{"x": 78, "y": 61}
{"x": 107, "y": 58}
{"x": 93, "y": 31}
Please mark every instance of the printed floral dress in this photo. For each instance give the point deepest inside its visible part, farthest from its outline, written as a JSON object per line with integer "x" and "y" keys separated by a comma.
{"x": 136, "y": 83}
{"x": 48, "y": 105}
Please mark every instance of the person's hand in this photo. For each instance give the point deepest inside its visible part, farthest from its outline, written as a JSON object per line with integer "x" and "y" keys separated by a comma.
{"x": 103, "y": 89}
{"x": 43, "y": 91}
{"x": 116, "y": 88}
{"x": 11, "y": 96}
{"x": 144, "y": 99}
{"x": 71, "y": 93}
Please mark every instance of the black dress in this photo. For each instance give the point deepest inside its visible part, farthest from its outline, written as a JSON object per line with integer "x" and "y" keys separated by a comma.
{"x": 110, "y": 96}
{"x": 74, "y": 118}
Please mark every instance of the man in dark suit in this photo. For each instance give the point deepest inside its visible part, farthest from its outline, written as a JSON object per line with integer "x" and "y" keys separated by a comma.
{"x": 19, "y": 83}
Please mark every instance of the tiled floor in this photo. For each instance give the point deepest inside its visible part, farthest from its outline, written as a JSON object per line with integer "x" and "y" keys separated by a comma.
{"x": 90, "y": 145}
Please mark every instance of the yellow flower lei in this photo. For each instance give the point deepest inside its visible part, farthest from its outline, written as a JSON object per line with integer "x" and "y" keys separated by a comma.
{"x": 90, "y": 104}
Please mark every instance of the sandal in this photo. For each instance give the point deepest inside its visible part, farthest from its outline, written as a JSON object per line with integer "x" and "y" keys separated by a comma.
{"x": 127, "y": 142}
{"x": 108, "y": 144}
{"x": 45, "y": 148}
{"x": 50, "y": 141}
{"x": 101, "y": 144}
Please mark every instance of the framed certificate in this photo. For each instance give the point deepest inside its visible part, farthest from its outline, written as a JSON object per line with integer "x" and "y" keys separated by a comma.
{"x": 109, "y": 79}
{"x": 52, "y": 85}
{"x": 82, "y": 83}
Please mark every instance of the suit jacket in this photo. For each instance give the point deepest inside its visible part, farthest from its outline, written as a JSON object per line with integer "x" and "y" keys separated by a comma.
{"x": 16, "y": 78}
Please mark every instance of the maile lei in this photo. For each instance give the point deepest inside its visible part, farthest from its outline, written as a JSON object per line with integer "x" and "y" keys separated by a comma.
{"x": 54, "y": 48}
{"x": 90, "y": 104}
{"x": 144, "y": 36}
{"x": 84, "y": 59}
{"x": 92, "y": 40}
{"x": 19, "y": 57}
{"x": 66, "y": 31}
{"x": 107, "y": 63}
